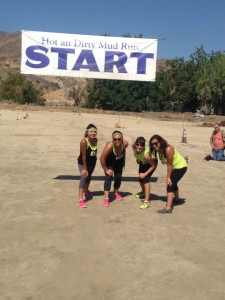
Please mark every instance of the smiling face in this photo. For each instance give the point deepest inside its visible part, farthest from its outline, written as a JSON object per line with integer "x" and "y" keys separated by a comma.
{"x": 155, "y": 144}
{"x": 117, "y": 139}
{"x": 91, "y": 133}
{"x": 139, "y": 147}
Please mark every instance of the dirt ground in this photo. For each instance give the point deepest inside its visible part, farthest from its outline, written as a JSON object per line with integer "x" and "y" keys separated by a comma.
{"x": 52, "y": 249}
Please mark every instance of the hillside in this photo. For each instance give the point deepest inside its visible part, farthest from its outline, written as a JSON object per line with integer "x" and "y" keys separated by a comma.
{"x": 63, "y": 90}
{"x": 56, "y": 89}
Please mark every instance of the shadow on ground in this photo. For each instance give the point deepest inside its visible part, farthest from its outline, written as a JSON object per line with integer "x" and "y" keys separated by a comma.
{"x": 102, "y": 178}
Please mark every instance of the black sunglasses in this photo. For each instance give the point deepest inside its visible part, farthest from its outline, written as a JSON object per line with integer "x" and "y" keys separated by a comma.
{"x": 154, "y": 144}
{"x": 117, "y": 139}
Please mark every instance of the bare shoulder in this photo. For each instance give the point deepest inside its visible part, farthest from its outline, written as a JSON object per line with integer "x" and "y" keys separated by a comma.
{"x": 125, "y": 143}
{"x": 169, "y": 150}
{"x": 83, "y": 141}
{"x": 108, "y": 146}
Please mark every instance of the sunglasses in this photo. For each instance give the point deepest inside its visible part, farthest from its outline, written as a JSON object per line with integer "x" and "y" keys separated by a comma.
{"x": 117, "y": 139}
{"x": 154, "y": 144}
{"x": 139, "y": 145}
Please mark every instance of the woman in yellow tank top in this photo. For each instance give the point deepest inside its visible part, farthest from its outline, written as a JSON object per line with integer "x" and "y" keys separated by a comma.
{"x": 176, "y": 168}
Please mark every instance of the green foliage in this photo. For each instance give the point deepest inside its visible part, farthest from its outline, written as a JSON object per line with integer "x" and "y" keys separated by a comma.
{"x": 116, "y": 95}
{"x": 210, "y": 80}
{"x": 180, "y": 86}
{"x": 18, "y": 89}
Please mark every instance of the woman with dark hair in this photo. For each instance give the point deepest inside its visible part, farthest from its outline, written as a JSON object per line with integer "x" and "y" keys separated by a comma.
{"x": 86, "y": 162}
{"x": 113, "y": 161}
{"x": 147, "y": 164}
{"x": 176, "y": 168}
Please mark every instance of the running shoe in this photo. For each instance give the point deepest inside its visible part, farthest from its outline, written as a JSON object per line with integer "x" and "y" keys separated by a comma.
{"x": 82, "y": 203}
{"x": 145, "y": 205}
{"x": 106, "y": 202}
{"x": 140, "y": 195}
{"x": 118, "y": 196}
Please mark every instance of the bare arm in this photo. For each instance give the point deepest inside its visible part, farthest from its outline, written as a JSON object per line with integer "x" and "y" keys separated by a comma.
{"x": 83, "y": 149}
{"x": 104, "y": 154}
{"x": 169, "y": 157}
{"x": 151, "y": 162}
{"x": 125, "y": 144}
{"x": 211, "y": 141}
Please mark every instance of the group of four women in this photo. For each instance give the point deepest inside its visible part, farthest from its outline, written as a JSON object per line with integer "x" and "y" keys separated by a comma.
{"x": 113, "y": 158}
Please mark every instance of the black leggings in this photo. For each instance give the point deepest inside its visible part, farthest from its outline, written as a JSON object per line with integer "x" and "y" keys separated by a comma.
{"x": 117, "y": 178}
{"x": 86, "y": 178}
{"x": 176, "y": 175}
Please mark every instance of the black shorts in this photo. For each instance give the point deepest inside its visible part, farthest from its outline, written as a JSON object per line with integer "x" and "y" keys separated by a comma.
{"x": 143, "y": 169}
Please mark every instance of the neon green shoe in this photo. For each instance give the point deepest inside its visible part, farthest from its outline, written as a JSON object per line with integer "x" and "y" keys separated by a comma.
{"x": 145, "y": 205}
{"x": 140, "y": 195}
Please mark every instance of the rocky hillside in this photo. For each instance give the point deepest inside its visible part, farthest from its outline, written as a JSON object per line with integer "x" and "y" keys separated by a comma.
{"x": 57, "y": 90}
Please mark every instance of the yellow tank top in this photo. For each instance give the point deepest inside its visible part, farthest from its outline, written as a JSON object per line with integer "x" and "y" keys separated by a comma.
{"x": 178, "y": 161}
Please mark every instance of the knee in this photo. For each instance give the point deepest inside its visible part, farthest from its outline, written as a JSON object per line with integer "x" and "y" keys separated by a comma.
{"x": 108, "y": 177}
{"x": 84, "y": 177}
{"x": 170, "y": 189}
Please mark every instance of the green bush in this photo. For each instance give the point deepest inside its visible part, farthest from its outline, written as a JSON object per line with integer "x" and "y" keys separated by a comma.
{"x": 18, "y": 89}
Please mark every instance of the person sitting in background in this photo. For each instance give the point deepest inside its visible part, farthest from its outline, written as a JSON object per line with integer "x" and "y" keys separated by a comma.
{"x": 217, "y": 142}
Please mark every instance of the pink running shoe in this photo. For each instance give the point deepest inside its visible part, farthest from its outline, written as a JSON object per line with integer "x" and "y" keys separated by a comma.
{"x": 106, "y": 202}
{"x": 88, "y": 193}
{"x": 118, "y": 197}
{"x": 82, "y": 203}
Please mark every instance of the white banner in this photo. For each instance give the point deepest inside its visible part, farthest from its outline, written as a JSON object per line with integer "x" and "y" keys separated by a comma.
{"x": 58, "y": 54}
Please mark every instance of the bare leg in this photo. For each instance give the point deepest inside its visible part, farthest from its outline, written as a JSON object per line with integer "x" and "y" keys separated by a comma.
{"x": 176, "y": 195}
{"x": 169, "y": 203}
{"x": 142, "y": 187}
{"x": 81, "y": 193}
{"x": 106, "y": 194}
{"x": 147, "y": 191}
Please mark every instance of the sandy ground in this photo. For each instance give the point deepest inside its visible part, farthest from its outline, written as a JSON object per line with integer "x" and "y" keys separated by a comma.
{"x": 52, "y": 249}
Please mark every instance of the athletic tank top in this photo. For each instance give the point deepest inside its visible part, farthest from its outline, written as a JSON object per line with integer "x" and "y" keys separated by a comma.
{"x": 114, "y": 159}
{"x": 91, "y": 154}
{"x": 178, "y": 161}
{"x": 140, "y": 156}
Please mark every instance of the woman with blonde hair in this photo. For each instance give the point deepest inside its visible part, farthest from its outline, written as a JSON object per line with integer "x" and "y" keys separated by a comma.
{"x": 113, "y": 161}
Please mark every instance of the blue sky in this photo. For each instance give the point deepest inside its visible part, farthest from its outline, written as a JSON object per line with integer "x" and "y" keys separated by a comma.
{"x": 180, "y": 26}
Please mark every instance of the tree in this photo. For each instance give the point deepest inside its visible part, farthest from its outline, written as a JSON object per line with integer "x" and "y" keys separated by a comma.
{"x": 17, "y": 88}
{"x": 180, "y": 79}
{"x": 210, "y": 79}
{"x": 180, "y": 86}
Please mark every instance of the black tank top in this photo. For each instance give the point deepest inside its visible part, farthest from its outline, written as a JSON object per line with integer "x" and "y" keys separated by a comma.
{"x": 91, "y": 154}
{"x": 116, "y": 160}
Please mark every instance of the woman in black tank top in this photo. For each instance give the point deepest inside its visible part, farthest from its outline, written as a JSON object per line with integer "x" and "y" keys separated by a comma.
{"x": 86, "y": 162}
{"x": 113, "y": 160}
